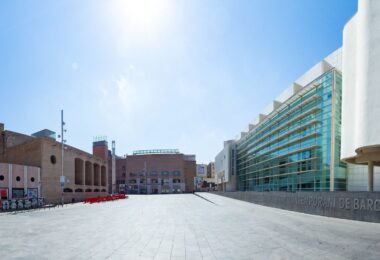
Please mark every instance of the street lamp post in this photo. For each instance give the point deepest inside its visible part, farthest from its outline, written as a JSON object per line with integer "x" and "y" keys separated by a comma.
{"x": 113, "y": 177}
{"x": 62, "y": 179}
{"x": 146, "y": 180}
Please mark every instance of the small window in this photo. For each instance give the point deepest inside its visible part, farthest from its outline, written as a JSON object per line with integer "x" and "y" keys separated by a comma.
{"x": 176, "y": 173}
{"x": 32, "y": 179}
{"x": 1, "y": 177}
{"x": 18, "y": 178}
{"x": 53, "y": 160}
{"x": 306, "y": 154}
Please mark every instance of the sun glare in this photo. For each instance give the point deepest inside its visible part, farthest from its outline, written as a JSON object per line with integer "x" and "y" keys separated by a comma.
{"x": 140, "y": 17}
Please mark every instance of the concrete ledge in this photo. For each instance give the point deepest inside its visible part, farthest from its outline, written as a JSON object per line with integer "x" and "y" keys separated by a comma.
{"x": 363, "y": 206}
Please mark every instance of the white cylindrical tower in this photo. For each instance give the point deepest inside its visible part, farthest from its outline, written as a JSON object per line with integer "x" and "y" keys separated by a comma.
{"x": 361, "y": 88}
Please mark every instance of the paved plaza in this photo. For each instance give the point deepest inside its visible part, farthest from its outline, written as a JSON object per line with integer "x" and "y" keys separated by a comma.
{"x": 183, "y": 226}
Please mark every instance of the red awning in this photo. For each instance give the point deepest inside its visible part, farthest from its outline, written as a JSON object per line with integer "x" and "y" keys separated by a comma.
{"x": 3, "y": 193}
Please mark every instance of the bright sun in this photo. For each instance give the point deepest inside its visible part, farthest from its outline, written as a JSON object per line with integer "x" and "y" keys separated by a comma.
{"x": 140, "y": 16}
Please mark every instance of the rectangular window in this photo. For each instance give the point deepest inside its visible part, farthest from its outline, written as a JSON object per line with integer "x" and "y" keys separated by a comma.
{"x": 18, "y": 193}
{"x": 176, "y": 173}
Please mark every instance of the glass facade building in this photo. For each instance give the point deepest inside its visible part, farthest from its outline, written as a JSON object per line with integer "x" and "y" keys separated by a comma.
{"x": 297, "y": 146}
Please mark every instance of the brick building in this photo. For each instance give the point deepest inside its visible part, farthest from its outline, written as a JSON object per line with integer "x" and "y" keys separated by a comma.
{"x": 85, "y": 174}
{"x": 155, "y": 172}
{"x": 100, "y": 149}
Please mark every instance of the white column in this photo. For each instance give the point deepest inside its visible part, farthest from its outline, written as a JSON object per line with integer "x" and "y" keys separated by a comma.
{"x": 10, "y": 175}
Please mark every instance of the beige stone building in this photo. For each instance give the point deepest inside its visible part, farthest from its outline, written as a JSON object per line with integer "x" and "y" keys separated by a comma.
{"x": 85, "y": 174}
{"x": 211, "y": 170}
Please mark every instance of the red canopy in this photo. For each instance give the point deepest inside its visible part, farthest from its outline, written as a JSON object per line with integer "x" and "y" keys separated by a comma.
{"x": 3, "y": 193}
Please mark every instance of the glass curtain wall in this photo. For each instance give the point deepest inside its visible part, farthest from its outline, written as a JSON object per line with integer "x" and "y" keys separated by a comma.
{"x": 291, "y": 149}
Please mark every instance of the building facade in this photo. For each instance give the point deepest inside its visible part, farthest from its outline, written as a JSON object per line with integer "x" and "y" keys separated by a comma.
{"x": 202, "y": 170}
{"x": 295, "y": 145}
{"x": 322, "y": 133}
{"x": 85, "y": 174}
{"x": 201, "y": 175}
{"x": 203, "y": 180}
{"x": 155, "y": 172}
{"x": 361, "y": 95}
{"x": 211, "y": 170}
{"x": 100, "y": 150}
{"x": 19, "y": 182}
{"x": 225, "y": 167}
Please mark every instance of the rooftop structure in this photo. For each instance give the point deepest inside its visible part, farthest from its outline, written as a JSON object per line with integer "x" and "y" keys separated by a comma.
{"x": 156, "y": 151}
{"x": 45, "y": 133}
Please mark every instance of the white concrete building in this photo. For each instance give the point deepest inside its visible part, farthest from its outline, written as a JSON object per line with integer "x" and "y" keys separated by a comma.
{"x": 202, "y": 170}
{"x": 361, "y": 97}
{"x": 225, "y": 167}
{"x": 201, "y": 177}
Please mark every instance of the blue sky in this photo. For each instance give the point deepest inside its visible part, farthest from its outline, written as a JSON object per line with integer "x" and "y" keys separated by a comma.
{"x": 157, "y": 74}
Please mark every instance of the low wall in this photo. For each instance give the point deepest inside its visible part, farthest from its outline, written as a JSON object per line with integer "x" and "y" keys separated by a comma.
{"x": 77, "y": 196}
{"x": 363, "y": 206}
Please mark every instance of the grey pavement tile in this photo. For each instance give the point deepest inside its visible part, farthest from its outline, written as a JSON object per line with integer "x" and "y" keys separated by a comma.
{"x": 177, "y": 258}
{"x": 147, "y": 254}
{"x": 206, "y": 251}
{"x": 204, "y": 245}
{"x": 193, "y": 256}
{"x": 145, "y": 257}
{"x": 164, "y": 250}
{"x": 178, "y": 253}
{"x": 209, "y": 257}
{"x": 162, "y": 257}
{"x": 222, "y": 254}
{"x": 190, "y": 248}
{"x": 123, "y": 256}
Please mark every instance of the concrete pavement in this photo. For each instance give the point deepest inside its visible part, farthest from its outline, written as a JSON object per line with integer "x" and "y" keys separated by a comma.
{"x": 183, "y": 226}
